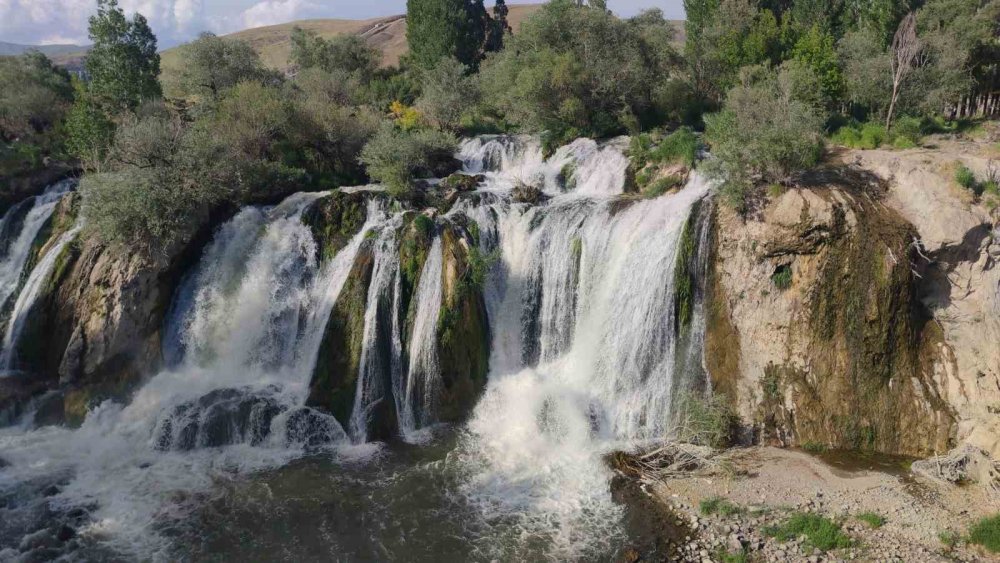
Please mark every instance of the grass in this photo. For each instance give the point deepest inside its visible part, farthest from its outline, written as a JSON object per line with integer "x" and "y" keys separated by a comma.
{"x": 949, "y": 538}
{"x": 872, "y": 519}
{"x": 814, "y": 447}
{"x": 820, "y": 532}
{"x": 782, "y": 277}
{"x": 965, "y": 177}
{"x": 740, "y": 556}
{"x": 720, "y": 506}
{"x": 986, "y": 532}
{"x": 661, "y": 186}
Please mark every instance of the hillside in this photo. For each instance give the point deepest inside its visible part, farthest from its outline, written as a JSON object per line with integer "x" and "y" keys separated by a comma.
{"x": 273, "y": 42}
{"x": 10, "y": 49}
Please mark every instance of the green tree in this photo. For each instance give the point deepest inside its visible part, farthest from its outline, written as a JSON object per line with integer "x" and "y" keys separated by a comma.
{"x": 89, "y": 131}
{"x": 123, "y": 64}
{"x": 211, "y": 65}
{"x": 35, "y": 96}
{"x": 395, "y": 157}
{"x": 816, "y": 49}
{"x": 347, "y": 54}
{"x": 763, "y": 136}
{"x": 463, "y": 29}
{"x": 447, "y": 94}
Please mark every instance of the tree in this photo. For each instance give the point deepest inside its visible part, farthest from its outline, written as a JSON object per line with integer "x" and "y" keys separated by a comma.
{"x": 394, "y": 157}
{"x": 463, "y": 29}
{"x": 35, "y": 96}
{"x": 447, "y": 94}
{"x": 815, "y": 48}
{"x": 89, "y": 131}
{"x": 347, "y": 54}
{"x": 123, "y": 64}
{"x": 764, "y": 135}
{"x": 211, "y": 65}
{"x": 902, "y": 59}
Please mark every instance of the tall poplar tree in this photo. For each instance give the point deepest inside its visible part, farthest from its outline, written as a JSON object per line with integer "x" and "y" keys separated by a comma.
{"x": 123, "y": 63}
{"x": 463, "y": 29}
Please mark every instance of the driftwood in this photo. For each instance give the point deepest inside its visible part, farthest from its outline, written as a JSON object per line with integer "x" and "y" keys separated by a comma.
{"x": 671, "y": 459}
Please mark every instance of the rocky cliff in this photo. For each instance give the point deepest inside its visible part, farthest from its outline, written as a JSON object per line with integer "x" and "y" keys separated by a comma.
{"x": 859, "y": 309}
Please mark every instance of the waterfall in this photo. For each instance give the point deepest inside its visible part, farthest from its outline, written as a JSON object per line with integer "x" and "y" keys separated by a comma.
{"x": 26, "y": 299}
{"x": 26, "y": 219}
{"x": 423, "y": 381}
{"x": 585, "y": 347}
{"x": 586, "y": 356}
{"x": 243, "y": 334}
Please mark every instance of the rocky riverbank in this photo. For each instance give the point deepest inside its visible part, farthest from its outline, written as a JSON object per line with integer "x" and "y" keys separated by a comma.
{"x": 884, "y": 511}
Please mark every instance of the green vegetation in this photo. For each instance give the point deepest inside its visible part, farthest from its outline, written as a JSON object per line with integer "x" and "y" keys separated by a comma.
{"x": 702, "y": 420}
{"x": 763, "y": 136}
{"x": 965, "y": 177}
{"x": 438, "y": 29}
{"x": 740, "y": 556}
{"x": 782, "y": 277}
{"x": 580, "y": 71}
{"x": 814, "y": 447}
{"x": 394, "y": 156}
{"x": 986, "y": 532}
{"x": 718, "y": 505}
{"x": 33, "y": 102}
{"x": 949, "y": 538}
{"x": 122, "y": 63}
{"x": 214, "y": 65}
{"x": 820, "y": 533}
{"x": 872, "y": 519}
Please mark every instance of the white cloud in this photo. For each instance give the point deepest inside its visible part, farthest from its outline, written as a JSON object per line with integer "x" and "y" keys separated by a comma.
{"x": 270, "y": 12}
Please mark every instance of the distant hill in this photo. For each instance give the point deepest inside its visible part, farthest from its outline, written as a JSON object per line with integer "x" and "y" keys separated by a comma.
{"x": 9, "y": 49}
{"x": 388, "y": 34}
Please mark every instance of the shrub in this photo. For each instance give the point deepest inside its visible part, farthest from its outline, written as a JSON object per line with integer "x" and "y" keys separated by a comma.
{"x": 718, "y": 505}
{"x": 820, "y": 532}
{"x": 949, "y": 538}
{"x": 965, "y": 177}
{"x": 210, "y": 65}
{"x": 447, "y": 94}
{"x": 764, "y": 135}
{"x": 708, "y": 421}
{"x": 872, "y": 519}
{"x": 986, "y": 532}
{"x": 347, "y": 53}
{"x": 35, "y": 96}
{"x": 906, "y": 132}
{"x": 680, "y": 147}
{"x": 814, "y": 447}
{"x": 580, "y": 71}
{"x": 394, "y": 156}
{"x": 88, "y": 132}
{"x": 872, "y": 136}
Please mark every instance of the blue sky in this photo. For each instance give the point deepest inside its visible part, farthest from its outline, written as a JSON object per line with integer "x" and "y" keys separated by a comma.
{"x": 176, "y": 21}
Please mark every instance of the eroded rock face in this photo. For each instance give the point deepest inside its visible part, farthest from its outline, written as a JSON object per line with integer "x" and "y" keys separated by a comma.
{"x": 820, "y": 293}
{"x": 960, "y": 247}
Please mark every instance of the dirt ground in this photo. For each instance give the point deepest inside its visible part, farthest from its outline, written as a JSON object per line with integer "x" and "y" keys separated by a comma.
{"x": 767, "y": 484}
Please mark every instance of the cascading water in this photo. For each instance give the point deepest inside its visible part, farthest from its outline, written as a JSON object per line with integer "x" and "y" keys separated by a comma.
{"x": 586, "y": 357}
{"x": 18, "y": 230}
{"x": 423, "y": 379}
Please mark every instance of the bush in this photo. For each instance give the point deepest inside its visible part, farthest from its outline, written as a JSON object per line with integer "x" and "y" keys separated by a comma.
{"x": 986, "y": 532}
{"x": 965, "y": 177}
{"x": 820, "y": 532}
{"x": 708, "y": 421}
{"x": 35, "y": 95}
{"x": 144, "y": 209}
{"x": 782, "y": 277}
{"x": 679, "y": 147}
{"x": 580, "y": 71}
{"x": 447, "y": 94}
{"x": 865, "y": 136}
{"x": 395, "y": 157}
{"x": 211, "y": 65}
{"x": 763, "y": 136}
{"x": 347, "y": 53}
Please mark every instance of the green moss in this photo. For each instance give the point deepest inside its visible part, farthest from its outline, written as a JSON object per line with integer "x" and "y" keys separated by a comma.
{"x": 660, "y": 186}
{"x": 567, "y": 176}
{"x": 814, "y": 447}
{"x": 683, "y": 274}
{"x": 820, "y": 532}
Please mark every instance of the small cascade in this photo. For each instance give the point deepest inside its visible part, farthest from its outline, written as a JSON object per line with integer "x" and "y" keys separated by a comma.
{"x": 18, "y": 230}
{"x": 29, "y": 295}
{"x": 423, "y": 381}
{"x": 381, "y": 352}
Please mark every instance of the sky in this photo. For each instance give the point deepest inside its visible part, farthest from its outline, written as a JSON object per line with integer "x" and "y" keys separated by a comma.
{"x": 36, "y": 22}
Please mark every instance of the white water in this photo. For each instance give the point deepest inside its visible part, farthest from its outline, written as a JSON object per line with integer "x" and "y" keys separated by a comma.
{"x": 26, "y": 299}
{"x": 583, "y": 357}
{"x": 250, "y": 317}
{"x": 12, "y": 261}
{"x": 423, "y": 381}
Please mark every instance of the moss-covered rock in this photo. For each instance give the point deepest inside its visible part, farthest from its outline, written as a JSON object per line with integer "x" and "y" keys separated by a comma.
{"x": 334, "y": 379}
{"x": 336, "y": 218}
{"x": 463, "y": 330}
